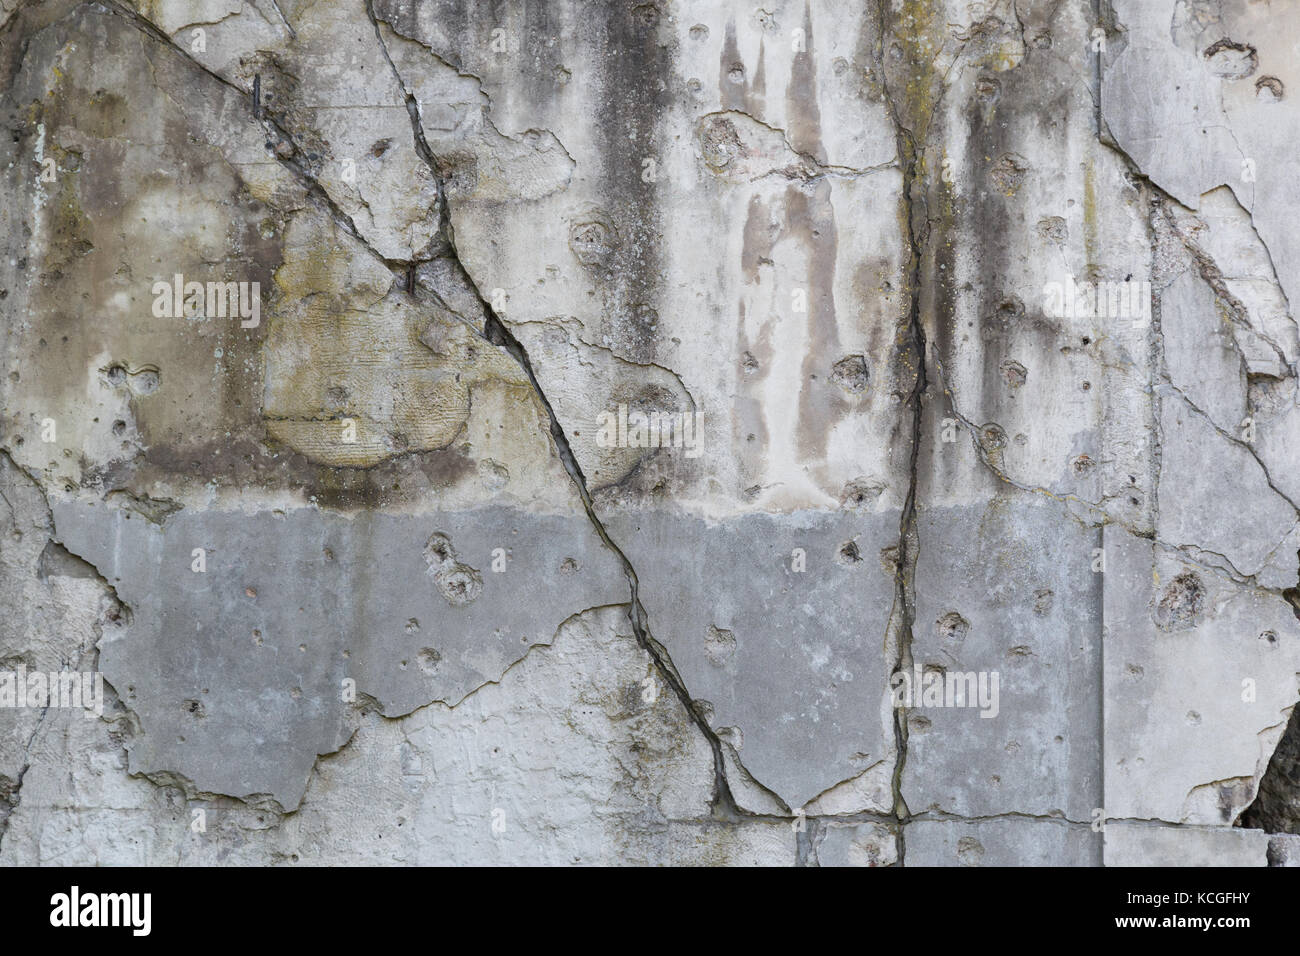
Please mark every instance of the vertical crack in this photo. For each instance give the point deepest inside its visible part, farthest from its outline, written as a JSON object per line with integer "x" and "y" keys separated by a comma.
{"x": 915, "y": 228}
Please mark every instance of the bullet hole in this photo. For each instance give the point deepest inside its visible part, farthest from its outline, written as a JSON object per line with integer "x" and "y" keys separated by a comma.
{"x": 1043, "y": 599}
{"x": 1042, "y": 41}
{"x": 592, "y": 242}
{"x": 1086, "y": 386}
{"x": 250, "y": 592}
{"x": 1054, "y": 229}
{"x": 992, "y": 437}
{"x": 302, "y": 648}
{"x": 970, "y": 851}
{"x": 1268, "y": 395}
{"x": 380, "y": 147}
{"x": 736, "y": 74}
{"x": 952, "y": 627}
{"x": 1269, "y": 637}
{"x": 145, "y": 381}
{"x": 428, "y": 660}
{"x": 889, "y": 559}
{"x": 719, "y": 142}
{"x": 861, "y": 493}
{"x": 1082, "y": 466}
{"x": 438, "y": 549}
{"x": 562, "y": 76}
{"x": 646, "y": 14}
{"x": 1268, "y": 89}
{"x": 1231, "y": 61}
{"x": 1013, "y": 373}
{"x": 412, "y": 626}
{"x": 257, "y": 638}
{"x": 459, "y": 583}
{"x": 119, "y": 427}
{"x": 492, "y": 474}
{"x": 850, "y": 373}
{"x": 1008, "y": 173}
{"x": 1193, "y": 718}
{"x": 336, "y": 395}
{"x": 1005, "y": 318}
{"x": 699, "y": 31}
{"x": 749, "y": 363}
{"x": 987, "y": 89}
{"x": 1181, "y": 603}
{"x": 849, "y": 554}
{"x": 918, "y": 724}
{"x": 719, "y": 645}
{"x": 694, "y": 87}
{"x": 117, "y": 613}
{"x": 839, "y": 65}
{"x": 195, "y": 709}
{"x": 1134, "y": 672}
{"x": 568, "y": 566}
{"x": 1019, "y": 652}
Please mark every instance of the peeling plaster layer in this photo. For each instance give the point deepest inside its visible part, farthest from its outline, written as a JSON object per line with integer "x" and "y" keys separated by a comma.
{"x": 409, "y": 610}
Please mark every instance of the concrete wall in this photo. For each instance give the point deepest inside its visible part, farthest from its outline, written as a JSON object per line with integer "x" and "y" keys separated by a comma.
{"x": 971, "y": 537}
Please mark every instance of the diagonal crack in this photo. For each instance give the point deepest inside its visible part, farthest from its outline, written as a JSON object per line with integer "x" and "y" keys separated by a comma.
{"x": 309, "y": 182}
{"x": 496, "y": 332}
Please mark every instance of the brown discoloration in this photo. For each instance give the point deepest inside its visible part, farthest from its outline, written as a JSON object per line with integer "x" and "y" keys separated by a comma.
{"x": 810, "y": 222}
{"x": 730, "y": 68}
{"x": 805, "y": 129}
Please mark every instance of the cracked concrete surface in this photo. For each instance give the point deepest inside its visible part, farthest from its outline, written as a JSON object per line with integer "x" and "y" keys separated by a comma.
{"x": 649, "y": 433}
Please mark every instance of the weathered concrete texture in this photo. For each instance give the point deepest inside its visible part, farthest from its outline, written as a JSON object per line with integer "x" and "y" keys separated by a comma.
{"x": 1186, "y": 647}
{"x": 726, "y": 603}
{"x": 1013, "y": 841}
{"x": 1007, "y": 589}
{"x": 340, "y": 337}
{"x": 1131, "y": 844}
{"x": 565, "y": 761}
{"x": 862, "y": 844}
{"x": 409, "y": 609}
{"x": 58, "y": 609}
